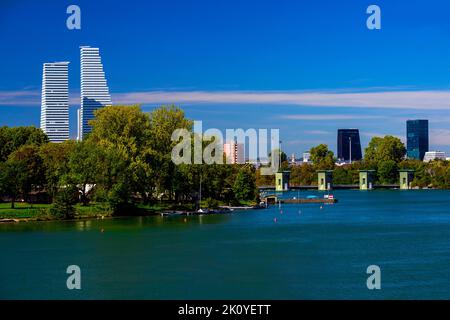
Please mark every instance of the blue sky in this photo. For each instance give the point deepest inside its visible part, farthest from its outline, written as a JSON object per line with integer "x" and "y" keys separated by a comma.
{"x": 305, "y": 67}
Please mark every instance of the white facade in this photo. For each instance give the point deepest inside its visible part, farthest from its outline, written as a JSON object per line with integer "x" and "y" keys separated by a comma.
{"x": 94, "y": 88}
{"x": 234, "y": 153}
{"x": 292, "y": 158}
{"x": 55, "y": 101}
{"x": 434, "y": 155}
{"x": 306, "y": 157}
{"x": 79, "y": 124}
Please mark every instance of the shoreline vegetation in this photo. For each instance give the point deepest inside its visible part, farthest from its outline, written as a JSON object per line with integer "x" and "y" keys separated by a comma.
{"x": 124, "y": 168}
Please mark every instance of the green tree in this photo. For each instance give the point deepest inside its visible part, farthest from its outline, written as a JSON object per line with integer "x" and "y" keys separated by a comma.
{"x": 388, "y": 148}
{"x": 303, "y": 175}
{"x": 388, "y": 171}
{"x": 12, "y": 178}
{"x": 64, "y": 201}
{"x": 244, "y": 187}
{"x": 123, "y": 128}
{"x": 121, "y": 135}
{"x": 22, "y": 173}
{"x": 322, "y": 158}
{"x": 343, "y": 175}
{"x": 11, "y": 139}
{"x": 55, "y": 157}
{"x": 83, "y": 167}
{"x": 163, "y": 122}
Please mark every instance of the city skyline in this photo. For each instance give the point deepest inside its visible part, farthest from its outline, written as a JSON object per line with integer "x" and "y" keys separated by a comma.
{"x": 236, "y": 67}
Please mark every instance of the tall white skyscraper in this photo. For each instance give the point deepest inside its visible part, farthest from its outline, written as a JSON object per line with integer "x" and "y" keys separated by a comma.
{"x": 94, "y": 88}
{"x": 55, "y": 101}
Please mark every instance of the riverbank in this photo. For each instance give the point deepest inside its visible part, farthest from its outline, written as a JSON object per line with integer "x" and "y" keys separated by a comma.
{"x": 25, "y": 212}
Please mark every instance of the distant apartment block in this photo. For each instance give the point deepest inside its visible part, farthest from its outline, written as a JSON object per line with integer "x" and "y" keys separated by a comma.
{"x": 349, "y": 145}
{"x": 306, "y": 157}
{"x": 55, "y": 101}
{"x": 94, "y": 88}
{"x": 434, "y": 155}
{"x": 234, "y": 152}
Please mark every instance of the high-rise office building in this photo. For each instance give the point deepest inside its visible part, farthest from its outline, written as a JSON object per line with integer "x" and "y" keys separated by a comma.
{"x": 55, "y": 101}
{"x": 234, "y": 152}
{"x": 416, "y": 138}
{"x": 348, "y": 145}
{"x": 94, "y": 88}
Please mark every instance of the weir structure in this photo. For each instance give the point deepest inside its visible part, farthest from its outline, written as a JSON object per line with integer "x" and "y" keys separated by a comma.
{"x": 324, "y": 180}
{"x": 282, "y": 180}
{"x": 366, "y": 179}
{"x": 406, "y": 177}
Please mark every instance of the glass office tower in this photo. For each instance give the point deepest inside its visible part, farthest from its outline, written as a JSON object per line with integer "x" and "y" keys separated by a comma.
{"x": 349, "y": 145}
{"x": 416, "y": 138}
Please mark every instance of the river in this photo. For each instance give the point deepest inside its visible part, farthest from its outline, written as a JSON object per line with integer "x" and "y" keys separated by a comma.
{"x": 299, "y": 252}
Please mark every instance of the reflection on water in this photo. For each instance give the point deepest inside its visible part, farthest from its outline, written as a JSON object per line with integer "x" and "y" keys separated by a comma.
{"x": 84, "y": 225}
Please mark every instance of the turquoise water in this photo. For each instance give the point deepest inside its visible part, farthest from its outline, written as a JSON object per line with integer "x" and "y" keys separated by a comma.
{"x": 313, "y": 254}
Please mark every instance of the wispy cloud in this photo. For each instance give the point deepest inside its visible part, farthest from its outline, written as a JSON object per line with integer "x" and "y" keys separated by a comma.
{"x": 317, "y": 132}
{"x": 19, "y": 98}
{"x": 433, "y": 100}
{"x": 322, "y": 117}
{"x": 420, "y": 100}
{"x": 379, "y": 134}
{"x": 440, "y": 137}
{"x": 303, "y": 142}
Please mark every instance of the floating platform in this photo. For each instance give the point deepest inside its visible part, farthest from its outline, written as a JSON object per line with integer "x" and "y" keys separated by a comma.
{"x": 314, "y": 200}
{"x": 276, "y": 200}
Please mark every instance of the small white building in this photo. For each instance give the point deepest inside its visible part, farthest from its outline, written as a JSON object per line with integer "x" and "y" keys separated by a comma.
{"x": 434, "y": 155}
{"x": 306, "y": 157}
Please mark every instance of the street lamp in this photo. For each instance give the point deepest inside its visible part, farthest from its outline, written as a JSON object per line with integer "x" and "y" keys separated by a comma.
{"x": 350, "y": 139}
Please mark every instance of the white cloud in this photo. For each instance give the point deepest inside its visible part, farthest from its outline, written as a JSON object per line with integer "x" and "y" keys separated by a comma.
{"x": 317, "y": 132}
{"x": 419, "y": 100}
{"x": 440, "y": 137}
{"x": 322, "y": 117}
{"x": 433, "y": 100}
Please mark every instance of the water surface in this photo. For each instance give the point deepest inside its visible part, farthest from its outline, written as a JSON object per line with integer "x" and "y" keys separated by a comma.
{"x": 298, "y": 252}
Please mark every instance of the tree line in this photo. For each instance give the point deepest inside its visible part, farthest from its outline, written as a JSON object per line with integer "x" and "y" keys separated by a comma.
{"x": 385, "y": 155}
{"x": 124, "y": 161}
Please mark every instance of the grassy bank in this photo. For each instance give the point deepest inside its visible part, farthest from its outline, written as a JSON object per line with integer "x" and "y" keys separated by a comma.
{"x": 25, "y": 210}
